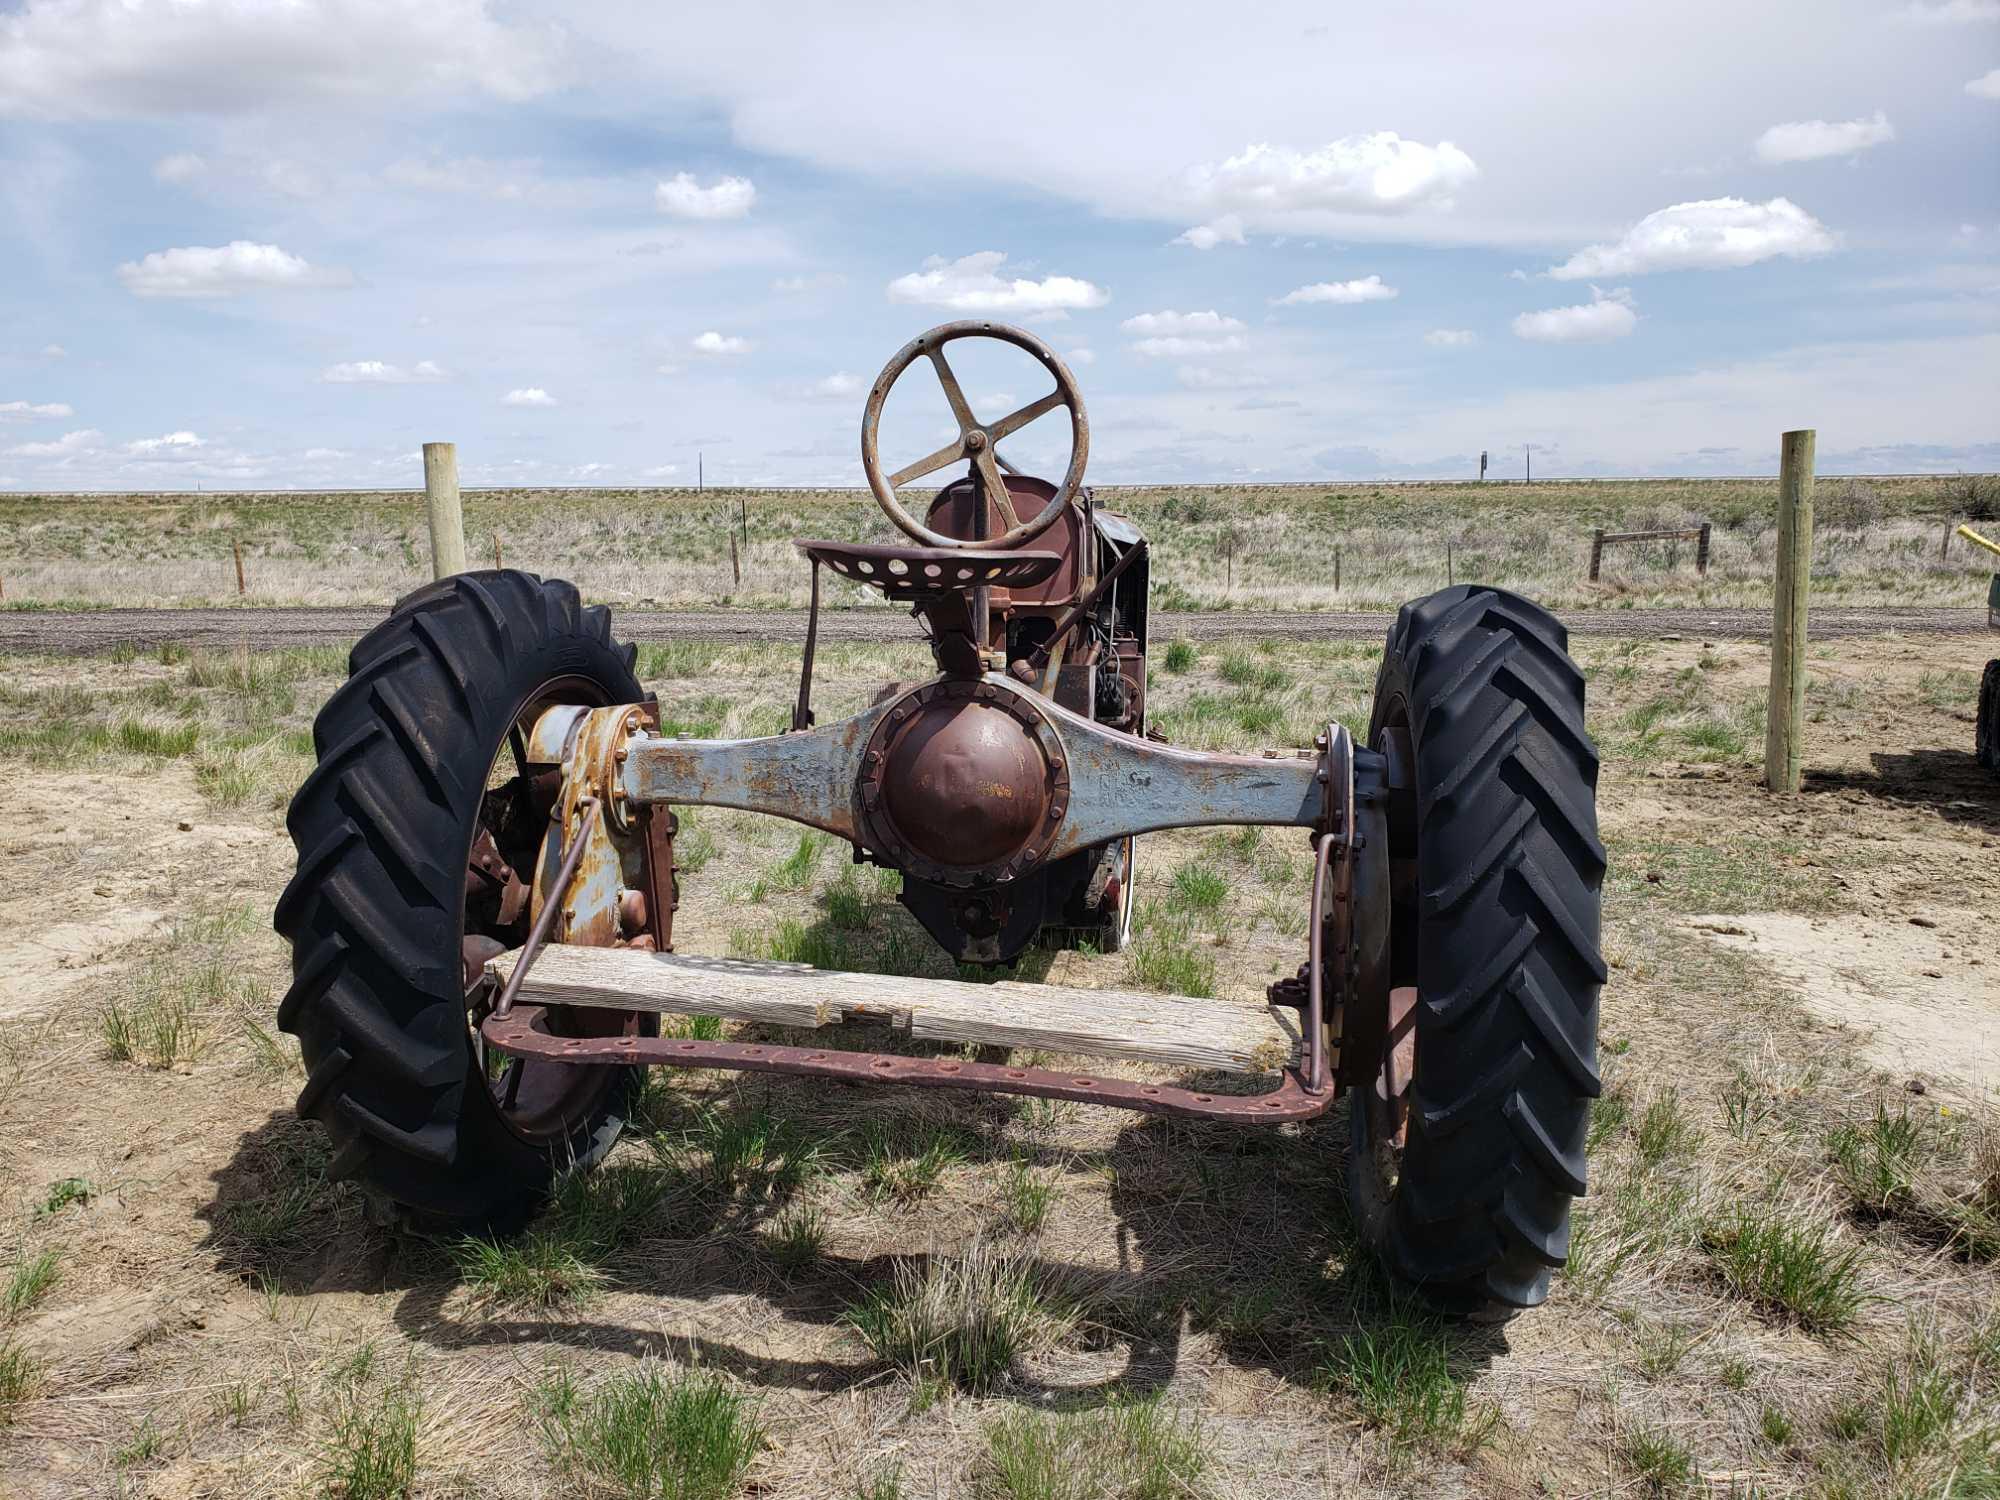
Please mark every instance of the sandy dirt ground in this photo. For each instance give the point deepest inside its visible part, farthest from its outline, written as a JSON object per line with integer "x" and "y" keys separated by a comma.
{"x": 1844, "y": 936}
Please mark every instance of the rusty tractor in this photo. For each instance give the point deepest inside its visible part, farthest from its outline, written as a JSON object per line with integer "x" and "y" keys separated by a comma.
{"x": 482, "y": 918}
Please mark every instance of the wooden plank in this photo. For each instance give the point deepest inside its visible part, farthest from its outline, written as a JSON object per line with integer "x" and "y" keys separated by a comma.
{"x": 1173, "y": 1030}
{"x": 1785, "y": 713}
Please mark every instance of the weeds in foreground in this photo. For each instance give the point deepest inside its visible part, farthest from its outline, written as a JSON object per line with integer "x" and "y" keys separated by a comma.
{"x": 371, "y": 1452}
{"x": 1163, "y": 956}
{"x": 1026, "y": 1195}
{"x": 1788, "y": 1265}
{"x": 797, "y": 1237}
{"x": 539, "y": 1270}
{"x": 1130, "y": 1449}
{"x": 30, "y": 1280}
{"x": 62, "y": 1193}
{"x": 1402, "y": 1375}
{"x": 649, "y": 1433}
{"x": 1660, "y": 1461}
{"x": 20, "y": 1378}
{"x": 908, "y": 1166}
{"x": 158, "y": 1027}
{"x": 960, "y": 1320}
{"x": 1179, "y": 656}
{"x": 590, "y": 1215}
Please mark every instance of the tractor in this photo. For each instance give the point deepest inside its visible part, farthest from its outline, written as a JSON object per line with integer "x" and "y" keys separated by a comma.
{"x": 482, "y": 917}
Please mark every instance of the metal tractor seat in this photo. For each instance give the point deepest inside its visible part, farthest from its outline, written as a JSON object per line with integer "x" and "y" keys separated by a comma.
{"x": 909, "y": 575}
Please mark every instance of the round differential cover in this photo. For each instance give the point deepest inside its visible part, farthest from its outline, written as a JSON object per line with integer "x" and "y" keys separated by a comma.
{"x": 963, "y": 783}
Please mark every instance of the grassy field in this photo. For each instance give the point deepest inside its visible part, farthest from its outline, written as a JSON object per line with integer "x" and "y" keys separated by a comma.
{"x": 1785, "y": 1280}
{"x": 1244, "y": 547}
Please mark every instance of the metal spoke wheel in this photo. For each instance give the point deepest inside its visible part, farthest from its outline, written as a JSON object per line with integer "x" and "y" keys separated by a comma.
{"x": 976, "y": 442}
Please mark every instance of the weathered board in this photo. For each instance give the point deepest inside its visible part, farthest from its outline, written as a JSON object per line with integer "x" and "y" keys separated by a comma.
{"x": 1174, "y": 1030}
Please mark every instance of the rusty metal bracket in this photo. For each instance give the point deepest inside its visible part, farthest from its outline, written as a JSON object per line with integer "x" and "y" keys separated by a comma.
{"x": 538, "y": 935}
{"x": 524, "y": 1032}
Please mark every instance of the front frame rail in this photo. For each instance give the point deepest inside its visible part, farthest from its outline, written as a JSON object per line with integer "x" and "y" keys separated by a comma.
{"x": 524, "y": 1032}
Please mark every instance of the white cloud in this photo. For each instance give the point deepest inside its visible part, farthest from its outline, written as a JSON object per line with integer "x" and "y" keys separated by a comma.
{"x": 1815, "y": 140}
{"x": 224, "y": 271}
{"x": 168, "y": 442}
{"x": 1225, "y": 229}
{"x": 836, "y": 387}
{"x": 1081, "y": 356}
{"x": 973, "y": 284}
{"x": 1950, "y": 12}
{"x": 813, "y": 281}
{"x": 1181, "y": 348}
{"x": 1202, "y": 378}
{"x": 719, "y": 343}
{"x": 98, "y": 59}
{"x": 1451, "y": 338}
{"x": 1712, "y": 234}
{"x": 472, "y": 176}
{"x": 532, "y": 395}
{"x": 54, "y": 351}
{"x": 684, "y": 198}
{"x": 1202, "y": 324}
{"x": 182, "y": 166}
{"x": 1365, "y": 174}
{"x": 667, "y": 369}
{"x": 1367, "y": 289}
{"x": 1986, "y": 86}
{"x": 321, "y": 454}
{"x": 70, "y": 442}
{"x": 18, "y": 411}
{"x": 378, "y": 372}
{"x": 1607, "y": 316}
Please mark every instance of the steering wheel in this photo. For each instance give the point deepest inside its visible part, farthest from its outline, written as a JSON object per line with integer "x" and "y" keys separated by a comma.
{"x": 975, "y": 441}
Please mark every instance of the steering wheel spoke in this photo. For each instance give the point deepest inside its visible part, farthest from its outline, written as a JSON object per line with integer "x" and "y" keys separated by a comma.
{"x": 1014, "y": 421}
{"x": 996, "y": 488}
{"x": 953, "y": 393}
{"x": 930, "y": 463}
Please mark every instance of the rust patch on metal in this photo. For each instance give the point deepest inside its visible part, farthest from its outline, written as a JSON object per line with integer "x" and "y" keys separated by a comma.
{"x": 524, "y": 1033}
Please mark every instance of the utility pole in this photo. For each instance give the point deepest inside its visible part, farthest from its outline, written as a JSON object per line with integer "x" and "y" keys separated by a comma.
{"x": 699, "y": 484}
{"x": 1528, "y": 452}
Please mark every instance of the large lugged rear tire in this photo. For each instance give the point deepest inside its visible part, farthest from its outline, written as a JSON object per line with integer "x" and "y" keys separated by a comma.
{"x": 1504, "y": 912}
{"x": 376, "y": 911}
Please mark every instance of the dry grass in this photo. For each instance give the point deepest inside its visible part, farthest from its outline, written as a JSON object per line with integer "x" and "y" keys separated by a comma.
{"x": 927, "y": 1295}
{"x": 1878, "y": 543}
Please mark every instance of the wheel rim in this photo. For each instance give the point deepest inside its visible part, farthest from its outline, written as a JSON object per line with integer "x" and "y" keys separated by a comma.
{"x": 1381, "y": 1106}
{"x": 543, "y": 1103}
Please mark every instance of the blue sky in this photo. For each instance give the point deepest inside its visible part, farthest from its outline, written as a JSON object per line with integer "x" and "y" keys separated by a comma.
{"x": 253, "y": 245}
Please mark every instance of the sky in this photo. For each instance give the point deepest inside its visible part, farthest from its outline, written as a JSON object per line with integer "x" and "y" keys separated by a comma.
{"x": 276, "y": 243}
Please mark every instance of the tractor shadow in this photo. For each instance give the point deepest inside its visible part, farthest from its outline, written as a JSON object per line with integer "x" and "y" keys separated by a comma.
{"x": 1228, "y": 1244}
{"x": 1950, "y": 783}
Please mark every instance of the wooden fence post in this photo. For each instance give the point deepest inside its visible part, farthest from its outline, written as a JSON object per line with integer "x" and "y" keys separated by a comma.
{"x": 441, "y": 503}
{"x": 1784, "y": 719}
{"x": 496, "y": 551}
{"x": 735, "y": 562}
{"x": 1336, "y": 570}
{"x": 1701, "y": 551}
{"x": 1450, "y": 566}
{"x": 1596, "y": 552}
{"x": 236, "y": 548}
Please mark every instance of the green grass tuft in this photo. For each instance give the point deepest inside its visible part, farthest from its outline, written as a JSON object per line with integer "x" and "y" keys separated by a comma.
{"x": 1788, "y": 1265}
{"x": 30, "y": 1280}
{"x": 1130, "y": 1449}
{"x": 649, "y": 1433}
{"x": 960, "y": 1320}
{"x": 371, "y": 1453}
{"x": 1400, "y": 1372}
{"x": 1179, "y": 656}
{"x": 1660, "y": 1461}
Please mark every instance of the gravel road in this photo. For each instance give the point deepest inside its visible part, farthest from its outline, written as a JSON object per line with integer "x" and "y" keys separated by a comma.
{"x": 82, "y": 632}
